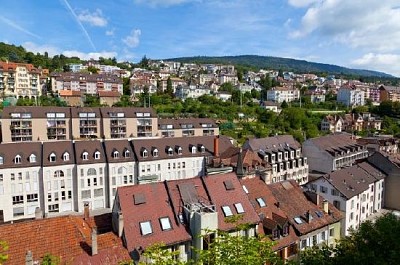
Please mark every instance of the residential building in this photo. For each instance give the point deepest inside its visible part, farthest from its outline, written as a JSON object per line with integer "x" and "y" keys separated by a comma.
{"x": 284, "y": 155}
{"x": 280, "y": 94}
{"x": 315, "y": 221}
{"x": 351, "y": 96}
{"x": 361, "y": 122}
{"x": 274, "y": 222}
{"x": 384, "y": 144}
{"x": 357, "y": 191}
{"x": 187, "y": 127}
{"x": 20, "y": 80}
{"x": 272, "y": 106}
{"x": 332, "y": 152}
{"x": 108, "y": 98}
{"x": 391, "y": 93}
{"x": 86, "y": 123}
{"x": 332, "y": 124}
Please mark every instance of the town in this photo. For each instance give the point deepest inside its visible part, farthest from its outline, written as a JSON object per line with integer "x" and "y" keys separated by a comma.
{"x": 98, "y": 164}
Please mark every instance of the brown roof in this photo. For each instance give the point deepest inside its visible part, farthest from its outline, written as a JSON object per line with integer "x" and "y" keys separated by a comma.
{"x": 295, "y": 204}
{"x": 10, "y": 151}
{"x": 121, "y": 146}
{"x": 76, "y": 110}
{"x": 274, "y": 142}
{"x": 336, "y": 143}
{"x": 111, "y": 94}
{"x": 270, "y": 213}
{"x": 67, "y": 237}
{"x": 196, "y": 122}
{"x": 35, "y": 111}
{"x": 226, "y": 190}
{"x": 86, "y": 77}
{"x": 186, "y": 143}
{"x": 69, "y": 93}
{"x": 90, "y": 146}
{"x": 130, "y": 112}
{"x": 152, "y": 203}
{"x": 58, "y": 148}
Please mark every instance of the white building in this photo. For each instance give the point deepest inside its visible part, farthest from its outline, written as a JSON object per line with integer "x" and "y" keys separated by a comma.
{"x": 356, "y": 191}
{"x": 280, "y": 94}
{"x": 351, "y": 96}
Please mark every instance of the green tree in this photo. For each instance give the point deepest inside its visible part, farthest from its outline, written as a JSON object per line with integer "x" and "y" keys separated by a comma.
{"x": 93, "y": 69}
{"x": 169, "y": 90}
{"x": 3, "y": 252}
{"x": 49, "y": 259}
{"x": 160, "y": 255}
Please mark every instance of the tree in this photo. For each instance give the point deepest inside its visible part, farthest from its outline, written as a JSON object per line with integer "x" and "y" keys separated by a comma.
{"x": 144, "y": 63}
{"x": 373, "y": 243}
{"x": 3, "y": 250}
{"x": 169, "y": 90}
{"x": 49, "y": 259}
{"x": 93, "y": 69}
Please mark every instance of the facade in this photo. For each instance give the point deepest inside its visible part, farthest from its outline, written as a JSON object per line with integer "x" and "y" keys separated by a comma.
{"x": 187, "y": 127}
{"x": 388, "y": 145}
{"x": 280, "y": 94}
{"x": 357, "y": 191}
{"x": 332, "y": 152}
{"x": 391, "y": 93}
{"x": 332, "y": 124}
{"x": 272, "y": 106}
{"x": 20, "y": 80}
{"x": 351, "y": 96}
{"x": 284, "y": 155}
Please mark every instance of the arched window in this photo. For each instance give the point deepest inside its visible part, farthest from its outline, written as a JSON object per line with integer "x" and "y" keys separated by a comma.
{"x": 97, "y": 155}
{"x": 91, "y": 172}
{"x": 144, "y": 153}
{"x": 58, "y": 174}
{"x": 121, "y": 170}
{"x": 194, "y": 149}
{"x": 115, "y": 154}
{"x": 85, "y": 155}
{"x": 66, "y": 156}
{"x": 179, "y": 150}
{"x": 127, "y": 153}
{"x": 52, "y": 157}
{"x": 155, "y": 152}
{"x": 202, "y": 149}
{"x": 32, "y": 158}
{"x": 17, "y": 159}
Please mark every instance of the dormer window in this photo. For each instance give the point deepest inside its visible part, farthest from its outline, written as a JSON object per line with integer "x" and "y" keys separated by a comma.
{"x": 17, "y": 159}
{"x": 155, "y": 152}
{"x": 179, "y": 150}
{"x": 85, "y": 155}
{"x": 66, "y": 156}
{"x": 97, "y": 155}
{"x": 170, "y": 151}
{"x": 275, "y": 233}
{"x": 32, "y": 158}
{"x": 127, "y": 153}
{"x": 202, "y": 149}
{"x": 1, "y": 160}
{"x": 115, "y": 154}
{"x": 52, "y": 157}
{"x": 145, "y": 153}
{"x": 285, "y": 230}
{"x": 194, "y": 150}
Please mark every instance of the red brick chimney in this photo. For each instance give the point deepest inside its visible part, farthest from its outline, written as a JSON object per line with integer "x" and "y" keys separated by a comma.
{"x": 216, "y": 146}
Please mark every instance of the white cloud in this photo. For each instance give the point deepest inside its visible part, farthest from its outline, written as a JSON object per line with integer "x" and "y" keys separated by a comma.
{"x": 90, "y": 55}
{"x": 95, "y": 19}
{"x": 301, "y": 3}
{"x": 368, "y": 24}
{"x": 133, "y": 39}
{"x": 388, "y": 62}
{"x": 36, "y": 48}
{"x": 110, "y": 32}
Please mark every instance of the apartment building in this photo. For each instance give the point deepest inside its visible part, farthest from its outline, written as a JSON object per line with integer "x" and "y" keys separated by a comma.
{"x": 332, "y": 152}
{"x": 86, "y": 83}
{"x": 357, "y": 191}
{"x": 284, "y": 155}
{"x": 391, "y": 93}
{"x": 187, "y": 127}
{"x": 20, "y": 80}
{"x": 332, "y": 124}
{"x": 280, "y": 94}
{"x": 351, "y": 96}
{"x": 86, "y": 123}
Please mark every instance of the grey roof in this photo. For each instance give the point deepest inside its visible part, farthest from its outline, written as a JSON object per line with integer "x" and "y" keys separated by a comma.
{"x": 89, "y": 146}
{"x": 130, "y": 112}
{"x": 196, "y": 122}
{"x": 335, "y": 142}
{"x": 271, "y": 143}
{"x": 35, "y": 111}
{"x": 121, "y": 146}
{"x": 10, "y": 150}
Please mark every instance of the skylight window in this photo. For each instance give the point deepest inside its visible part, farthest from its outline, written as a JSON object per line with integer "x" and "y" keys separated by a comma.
{"x": 245, "y": 189}
{"x": 298, "y": 220}
{"x": 145, "y": 228}
{"x": 227, "y": 211}
{"x": 261, "y": 202}
{"x": 239, "y": 208}
{"x": 165, "y": 223}
{"x": 319, "y": 214}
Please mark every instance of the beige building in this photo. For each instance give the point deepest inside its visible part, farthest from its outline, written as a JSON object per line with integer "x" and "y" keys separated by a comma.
{"x": 187, "y": 127}
{"x": 20, "y": 80}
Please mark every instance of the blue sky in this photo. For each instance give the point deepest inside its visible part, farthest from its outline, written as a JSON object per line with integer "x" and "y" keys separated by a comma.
{"x": 352, "y": 33}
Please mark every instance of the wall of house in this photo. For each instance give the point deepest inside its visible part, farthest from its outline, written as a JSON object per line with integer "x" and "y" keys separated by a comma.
{"x": 119, "y": 175}
{"x": 317, "y": 160}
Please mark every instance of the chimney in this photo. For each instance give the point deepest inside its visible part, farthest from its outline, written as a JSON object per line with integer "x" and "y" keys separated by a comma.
{"x": 86, "y": 214}
{"x": 325, "y": 206}
{"x": 120, "y": 224}
{"x": 38, "y": 213}
{"x": 29, "y": 258}
{"x": 94, "y": 241}
{"x": 216, "y": 146}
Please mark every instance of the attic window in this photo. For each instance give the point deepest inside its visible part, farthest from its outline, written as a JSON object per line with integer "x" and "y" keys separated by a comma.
{"x": 227, "y": 211}
{"x": 127, "y": 153}
{"x": 115, "y": 154}
{"x": 179, "y": 150}
{"x": 228, "y": 185}
{"x": 202, "y": 149}
{"x": 145, "y": 153}
{"x": 17, "y": 159}
{"x": 139, "y": 198}
{"x": 298, "y": 220}
{"x": 261, "y": 202}
{"x": 194, "y": 149}
{"x": 52, "y": 157}
{"x": 165, "y": 223}
{"x": 155, "y": 152}
{"x": 170, "y": 151}
{"x": 239, "y": 208}
{"x": 32, "y": 158}
{"x": 145, "y": 228}
{"x": 66, "y": 156}
{"x": 85, "y": 155}
{"x": 97, "y": 155}
{"x": 319, "y": 214}
{"x": 245, "y": 189}
{"x": 1, "y": 160}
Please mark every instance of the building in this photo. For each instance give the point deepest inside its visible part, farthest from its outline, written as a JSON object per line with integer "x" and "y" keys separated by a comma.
{"x": 384, "y": 144}
{"x": 332, "y": 152}
{"x": 20, "y": 80}
{"x": 351, "y": 96}
{"x": 187, "y": 127}
{"x": 272, "y": 106}
{"x": 332, "y": 124}
{"x": 284, "y": 155}
{"x": 280, "y": 94}
{"x": 108, "y": 98}
{"x": 315, "y": 221}
{"x": 361, "y": 122}
{"x": 357, "y": 191}
{"x": 274, "y": 222}
{"x": 391, "y": 93}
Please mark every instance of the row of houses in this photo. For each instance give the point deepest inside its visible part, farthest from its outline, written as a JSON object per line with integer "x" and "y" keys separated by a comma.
{"x": 21, "y": 124}
{"x": 351, "y": 123}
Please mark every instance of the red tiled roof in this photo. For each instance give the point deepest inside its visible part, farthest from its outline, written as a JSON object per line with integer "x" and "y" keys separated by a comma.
{"x": 67, "y": 237}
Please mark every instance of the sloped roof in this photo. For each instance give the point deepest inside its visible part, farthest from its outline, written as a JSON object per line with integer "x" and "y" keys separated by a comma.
{"x": 279, "y": 141}
{"x": 58, "y": 148}
{"x": 9, "y": 151}
{"x": 121, "y": 146}
{"x": 89, "y": 146}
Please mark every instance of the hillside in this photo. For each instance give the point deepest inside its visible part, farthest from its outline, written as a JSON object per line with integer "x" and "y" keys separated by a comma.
{"x": 286, "y": 64}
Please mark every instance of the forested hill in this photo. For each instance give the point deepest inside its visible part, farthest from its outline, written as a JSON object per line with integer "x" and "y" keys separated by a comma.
{"x": 285, "y": 64}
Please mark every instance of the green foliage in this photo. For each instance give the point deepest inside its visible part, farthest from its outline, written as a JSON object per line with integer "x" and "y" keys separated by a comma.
{"x": 160, "y": 255}
{"x": 169, "y": 90}
{"x": 373, "y": 243}
{"x": 3, "y": 252}
{"x": 124, "y": 101}
{"x": 93, "y": 70}
{"x": 49, "y": 259}
{"x": 92, "y": 101}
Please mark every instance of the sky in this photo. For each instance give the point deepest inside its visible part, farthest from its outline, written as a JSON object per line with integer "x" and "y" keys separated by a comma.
{"x": 362, "y": 34}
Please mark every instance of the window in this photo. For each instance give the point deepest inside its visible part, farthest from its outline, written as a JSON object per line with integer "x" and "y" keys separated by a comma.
{"x": 97, "y": 155}
{"x": 115, "y": 154}
{"x": 1, "y": 160}
{"x": 275, "y": 233}
{"x": 85, "y": 155}
{"x": 298, "y": 220}
{"x": 227, "y": 211}
{"x": 285, "y": 230}
{"x": 91, "y": 172}
{"x": 194, "y": 149}
{"x": 239, "y": 208}
{"x": 202, "y": 149}
{"x": 351, "y": 216}
{"x": 331, "y": 232}
{"x": 170, "y": 151}
{"x": 335, "y": 192}
{"x": 303, "y": 243}
{"x": 127, "y": 154}
{"x": 261, "y": 202}
{"x": 85, "y": 194}
{"x": 18, "y": 199}
{"x": 155, "y": 152}
{"x": 165, "y": 223}
{"x": 323, "y": 237}
{"x": 32, "y": 158}
{"x": 179, "y": 150}
{"x": 323, "y": 189}
{"x": 53, "y": 208}
{"x": 66, "y": 156}
{"x": 52, "y": 157}
{"x": 144, "y": 153}
{"x": 32, "y": 197}
{"x": 336, "y": 204}
{"x": 314, "y": 239}
{"x": 17, "y": 159}
{"x": 145, "y": 228}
